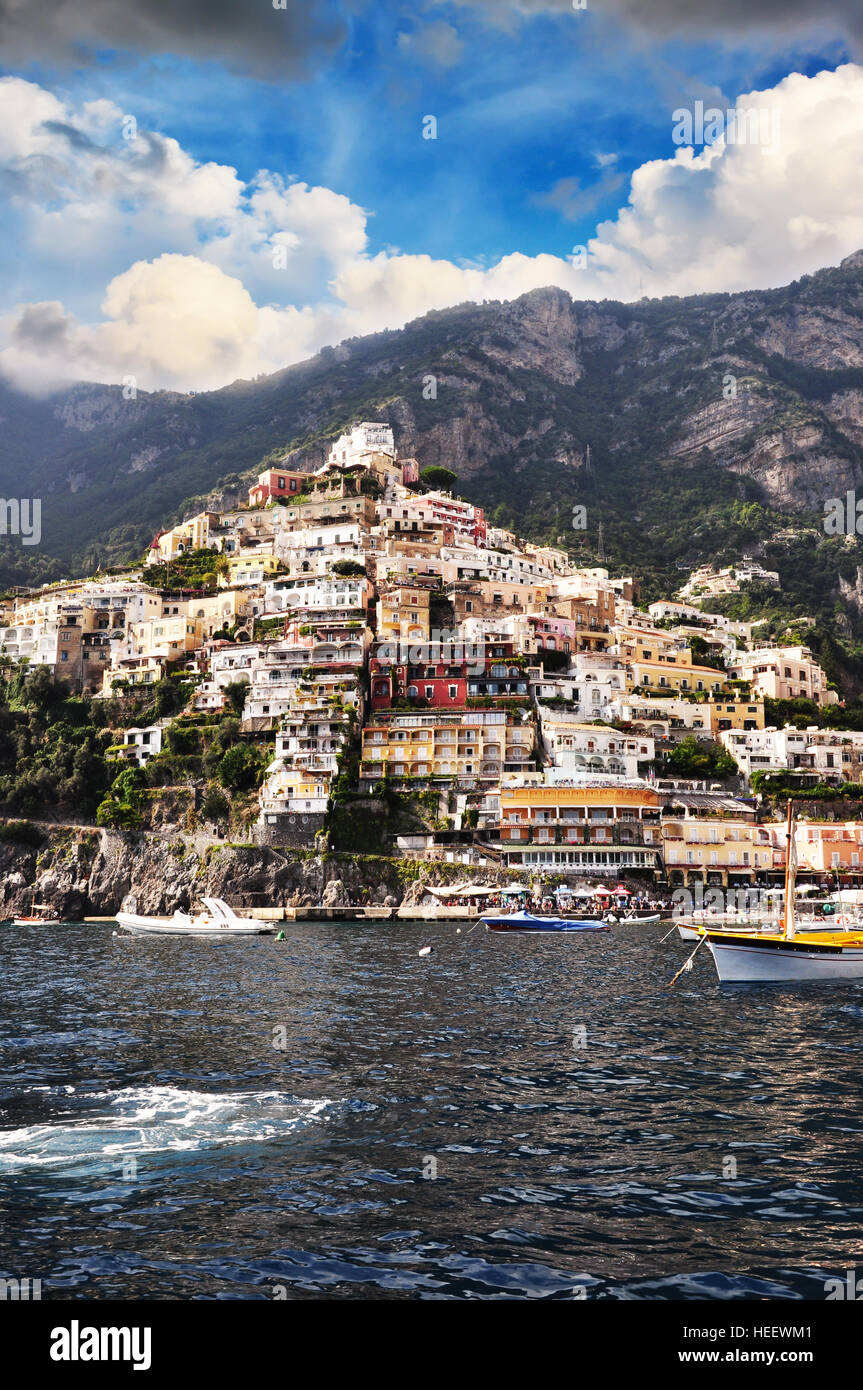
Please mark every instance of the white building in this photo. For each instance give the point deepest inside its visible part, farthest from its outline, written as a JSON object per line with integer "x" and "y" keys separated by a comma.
{"x": 495, "y": 566}
{"x": 361, "y": 444}
{"x": 317, "y": 595}
{"x": 830, "y": 755}
{"x": 140, "y": 745}
{"x": 573, "y": 748}
{"x": 314, "y": 550}
{"x": 784, "y": 673}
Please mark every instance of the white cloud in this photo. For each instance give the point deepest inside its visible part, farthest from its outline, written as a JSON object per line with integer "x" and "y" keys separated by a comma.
{"x": 197, "y": 300}
{"x": 437, "y": 43}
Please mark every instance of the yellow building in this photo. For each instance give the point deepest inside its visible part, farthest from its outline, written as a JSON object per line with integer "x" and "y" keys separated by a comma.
{"x": 478, "y": 745}
{"x": 571, "y": 828}
{"x": 403, "y": 614}
{"x": 715, "y": 849}
{"x": 327, "y": 511}
{"x": 248, "y": 568}
{"x": 734, "y": 714}
{"x": 663, "y": 675}
{"x": 659, "y": 648}
{"x": 292, "y": 789}
{"x": 215, "y": 611}
{"x": 167, "y": 638}
{"x": 193, "y": 534}
{"x": 132, "y": 671}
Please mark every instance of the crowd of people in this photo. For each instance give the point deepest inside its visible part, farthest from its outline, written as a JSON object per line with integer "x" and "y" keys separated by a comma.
{"x": 602, "y": 904}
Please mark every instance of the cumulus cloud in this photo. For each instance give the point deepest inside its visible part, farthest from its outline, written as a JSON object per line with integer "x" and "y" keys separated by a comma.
{"x": 260, "y": 39}
{"x": 212, "y": 306}
{"x": 437, "y": 43}
{"x": 568, "y": 197}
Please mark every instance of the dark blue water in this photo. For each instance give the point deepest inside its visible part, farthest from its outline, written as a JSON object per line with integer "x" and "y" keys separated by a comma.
{"x": 155, "y": 1143}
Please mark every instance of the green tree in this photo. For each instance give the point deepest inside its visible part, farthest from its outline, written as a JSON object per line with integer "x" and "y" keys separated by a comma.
{"x": 235, "y": 695}
{"x": 214, "y": 805}
{"x": 693, "y": 758}
{"x": 167, "y": 699}
{"x": 123, "y": 805}
{"x": 442, "y": 479}
{"x": 241, "y": 769}
{"x": 42, "y": 691}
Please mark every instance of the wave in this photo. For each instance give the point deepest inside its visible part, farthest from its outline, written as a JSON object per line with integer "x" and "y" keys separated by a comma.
{"x": 155, "y": 1119}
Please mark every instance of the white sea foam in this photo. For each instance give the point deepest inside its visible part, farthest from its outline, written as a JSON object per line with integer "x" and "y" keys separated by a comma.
{"x": 154, "y": 1119}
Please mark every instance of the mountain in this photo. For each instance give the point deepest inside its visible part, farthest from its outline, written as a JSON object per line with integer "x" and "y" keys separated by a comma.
{"x": 717, "y": 425}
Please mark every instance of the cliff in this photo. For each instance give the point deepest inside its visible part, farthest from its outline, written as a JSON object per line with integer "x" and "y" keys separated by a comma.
{"x": 89, "y": 873}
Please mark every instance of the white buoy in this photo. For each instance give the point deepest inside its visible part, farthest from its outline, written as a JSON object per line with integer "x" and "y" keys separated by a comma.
{"x": 426, "y": 951}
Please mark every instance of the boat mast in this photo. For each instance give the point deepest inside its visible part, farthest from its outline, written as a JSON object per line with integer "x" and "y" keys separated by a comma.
{"x": 790, "y": 871}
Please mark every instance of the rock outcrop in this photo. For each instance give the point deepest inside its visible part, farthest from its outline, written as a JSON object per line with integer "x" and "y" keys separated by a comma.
{"x": 84, "y": 873}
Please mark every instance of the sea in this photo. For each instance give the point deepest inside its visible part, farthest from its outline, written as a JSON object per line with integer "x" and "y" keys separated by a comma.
{"x": 336, "y": 1116}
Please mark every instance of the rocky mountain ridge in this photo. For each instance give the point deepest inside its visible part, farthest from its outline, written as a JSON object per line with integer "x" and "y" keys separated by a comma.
{"x": 690, "y": 428}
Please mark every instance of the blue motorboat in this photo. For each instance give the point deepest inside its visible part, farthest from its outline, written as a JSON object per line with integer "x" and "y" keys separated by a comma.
{"x": 528, "y": 921}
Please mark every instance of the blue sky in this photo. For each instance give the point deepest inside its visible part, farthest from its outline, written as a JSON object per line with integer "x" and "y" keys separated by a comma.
{"x": 543, "y": 114}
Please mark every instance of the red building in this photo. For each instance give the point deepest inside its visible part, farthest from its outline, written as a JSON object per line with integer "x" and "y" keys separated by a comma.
{"x": 275, "y": 482}
{"x": 444, "y": 675}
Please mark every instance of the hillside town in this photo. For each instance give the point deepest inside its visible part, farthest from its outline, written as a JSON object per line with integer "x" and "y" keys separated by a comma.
{"x": 372, "y": 631}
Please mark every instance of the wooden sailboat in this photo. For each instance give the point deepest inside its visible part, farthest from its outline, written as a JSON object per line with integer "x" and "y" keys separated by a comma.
{"x": 41, "y": 915}
{"x": 747, "y": 957}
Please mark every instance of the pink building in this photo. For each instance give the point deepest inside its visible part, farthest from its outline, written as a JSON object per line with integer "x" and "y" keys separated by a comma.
{"x": 553, "y": 634}
{"x": 275, "y": 482}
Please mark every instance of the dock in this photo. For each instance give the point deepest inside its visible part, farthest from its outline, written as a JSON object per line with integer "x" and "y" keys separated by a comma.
{"x": 360, "y": 914}
{"x": 346, "y": 914}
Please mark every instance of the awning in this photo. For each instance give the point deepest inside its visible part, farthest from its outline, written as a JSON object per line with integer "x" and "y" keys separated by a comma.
{"x": 445, "y": 890}
{"x": 849, "y": 895}
{"x": 459, "y": 890}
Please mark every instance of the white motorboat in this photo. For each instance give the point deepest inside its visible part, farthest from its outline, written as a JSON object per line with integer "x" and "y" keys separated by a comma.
{"x": 217, "y": 919}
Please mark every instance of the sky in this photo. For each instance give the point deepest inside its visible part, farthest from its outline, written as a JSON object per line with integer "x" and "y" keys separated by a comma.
{"x": 213, "y": 189}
